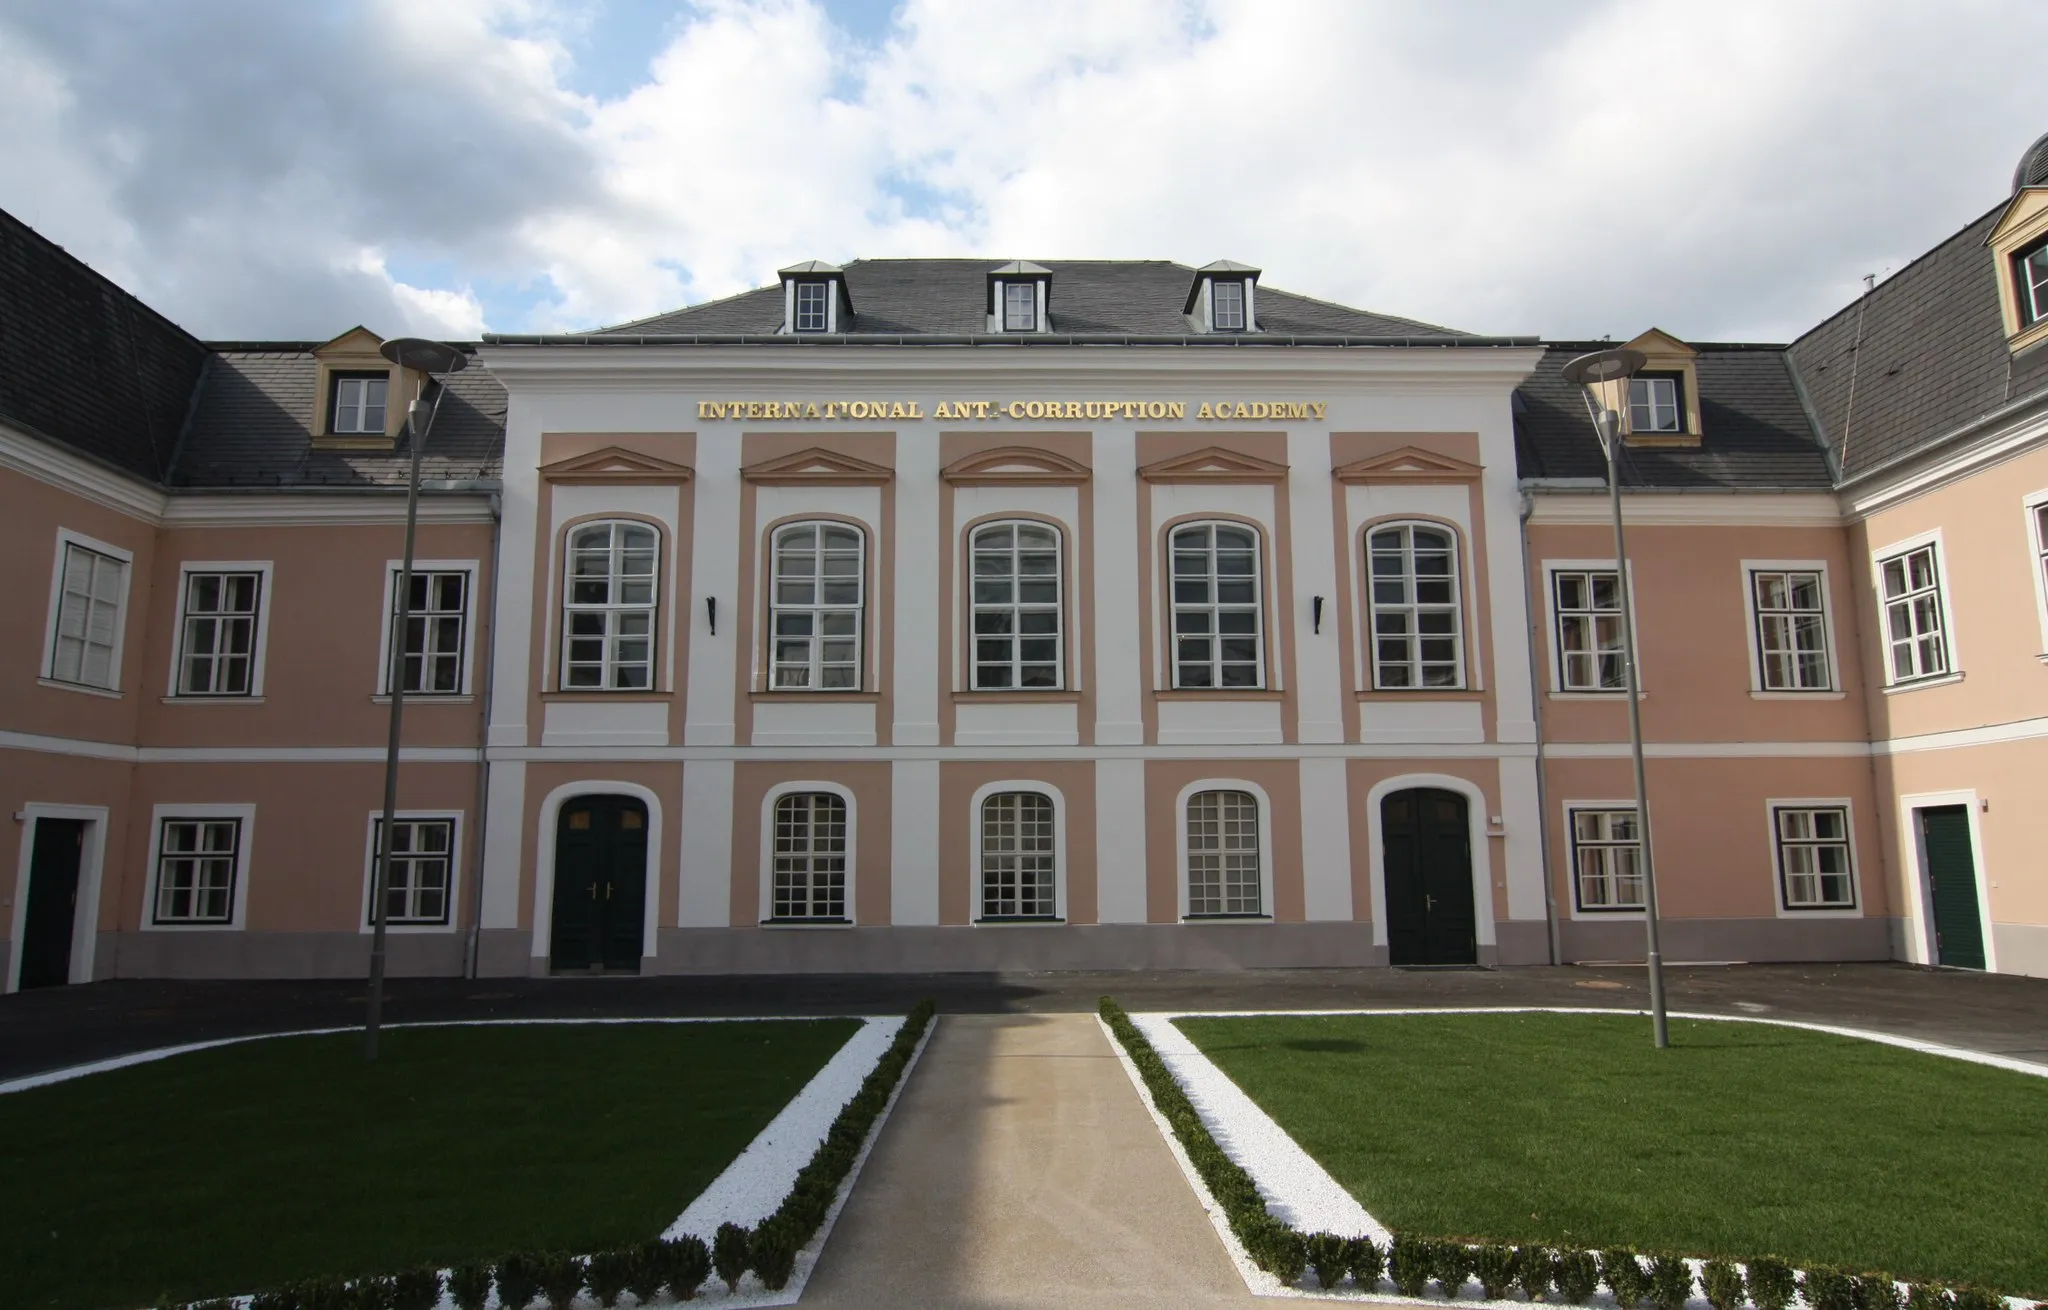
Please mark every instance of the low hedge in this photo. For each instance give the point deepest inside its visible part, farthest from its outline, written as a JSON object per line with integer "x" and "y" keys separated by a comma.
{"x": 680, "y": 1266}
{"x": 1412, "y": 1262}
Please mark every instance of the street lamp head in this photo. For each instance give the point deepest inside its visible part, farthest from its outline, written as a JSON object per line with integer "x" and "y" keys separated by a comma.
{"x": 1608, "y": 424}
{"x": 1604, "y": 366}
{"x": 423, "y": 356}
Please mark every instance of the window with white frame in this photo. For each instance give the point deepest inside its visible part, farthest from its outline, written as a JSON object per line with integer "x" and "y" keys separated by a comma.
{"x": 1226, "y": 305}
{"x": 1017, "y": 856}
{"x": 2040, "y": 513}
{"x": 359, "y": 404}
{"x": 1607, "y": 854}
{"x": 422, "y": 859}
{"x": 1016, "y": 606}
{"x": 812, "y": 312}
{"x": 1653, "y": 404}
{"x": 195, "y": 870}
{"x": 608, "y": 607}
{"x": 217, "y": 638}
{"x": 1790, "y": 608}
{"x": 1814, "y": 866}
{"x": 1223, "y": 855}
{"x": 815, "y": 610}
{"x": 87, "y": 633}
{"x": 1414, "y": 606}
{"x": 1915, "y": 635}
{"x": 1020, "y": 306}
{"x": 1587, "y": 603}
{"x": 809, "y": 861}
{"x": 2030, "y": 283}
{"x": 1217, "y": 637}
{"x": 436, "y": 627}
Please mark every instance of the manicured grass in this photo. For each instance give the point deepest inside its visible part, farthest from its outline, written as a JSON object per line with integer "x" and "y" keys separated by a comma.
{"x": 247, "y": 1166}
{"x": 1742, "y": 1139}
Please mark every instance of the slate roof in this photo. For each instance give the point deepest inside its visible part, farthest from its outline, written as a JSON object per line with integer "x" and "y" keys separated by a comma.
{"x": 85, "y": 364}
{"x": 1932, "y": 357}
{"x": 949, "y": 297}
{"x": 252, "y": 427}
{"x": 1755, "y": 436}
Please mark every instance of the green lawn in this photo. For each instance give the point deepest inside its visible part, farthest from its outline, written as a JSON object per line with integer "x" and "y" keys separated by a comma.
{"x": 246, "y": 1166}
{"x": 1742, "y": 1139}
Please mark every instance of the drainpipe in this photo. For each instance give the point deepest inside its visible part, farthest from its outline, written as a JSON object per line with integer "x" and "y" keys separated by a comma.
{"x": 483, "y": 766}
{"x": 1536, "y": 707}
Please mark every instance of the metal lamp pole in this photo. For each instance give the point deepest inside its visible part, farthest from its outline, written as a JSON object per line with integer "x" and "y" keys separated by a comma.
{"x": 1589, "y": 371}
{"x": 427, "y": 358}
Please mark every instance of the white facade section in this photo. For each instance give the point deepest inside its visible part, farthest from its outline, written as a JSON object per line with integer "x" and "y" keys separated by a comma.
{"x": 1219, "y": 722}
{"x": 704, "y": 890}
{"x": 714, "y": 576}
{"x": 914, "y": 842}
{"x": 918, "y": 679}
{"x": 1119, "y": 691}
{"x": 1017, "y": 723}
{"x": 822, "y": 723}
{"x": 1325, "y": 838}
{"x": 1420, "y": 720}
{"x": 1321, "y": 686}
{"x": 1119, "y": 843}
{"x": 600, "y": 723}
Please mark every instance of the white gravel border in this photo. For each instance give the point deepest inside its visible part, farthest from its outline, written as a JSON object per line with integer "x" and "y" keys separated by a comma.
{"x": 1299, "y": 1190}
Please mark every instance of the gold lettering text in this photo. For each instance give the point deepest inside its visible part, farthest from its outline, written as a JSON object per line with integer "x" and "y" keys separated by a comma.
{"x": 1317, "y": 406}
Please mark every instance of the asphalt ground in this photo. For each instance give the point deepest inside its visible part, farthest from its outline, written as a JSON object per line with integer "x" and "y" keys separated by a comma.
{"x": 57, "y": 1027}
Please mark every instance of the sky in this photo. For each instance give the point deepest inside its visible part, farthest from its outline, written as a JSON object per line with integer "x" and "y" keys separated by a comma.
{"x": 1722, "y": 169}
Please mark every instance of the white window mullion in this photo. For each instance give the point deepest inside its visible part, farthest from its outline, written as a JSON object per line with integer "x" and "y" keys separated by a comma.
{"x": 1915, "y": 633}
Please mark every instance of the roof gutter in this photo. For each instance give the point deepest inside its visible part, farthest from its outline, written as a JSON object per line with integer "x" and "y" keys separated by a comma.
{"x": 1227, "y": 341}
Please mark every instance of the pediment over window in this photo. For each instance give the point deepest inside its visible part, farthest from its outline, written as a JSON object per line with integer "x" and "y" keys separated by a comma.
{"x": 1015, "y": 466}
{"x": 1408, "y": 464}
{"x": 615, "y": 464}
{"x": 1214, "y": 465}
{"x": 818, "y": 467}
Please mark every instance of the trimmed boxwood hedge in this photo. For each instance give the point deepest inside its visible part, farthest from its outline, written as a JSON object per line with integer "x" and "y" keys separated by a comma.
{"x": 680, "y": 1266}
{"x": 1662, "y": 1279}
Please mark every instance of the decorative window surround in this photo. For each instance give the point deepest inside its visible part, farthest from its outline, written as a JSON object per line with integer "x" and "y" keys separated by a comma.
{"x": 2036, "y": 509}
{"x": 88, "y": 614}
{"x": 1813, "y": 850}
{"x": 202, "y": 827}
{"x": 458, "y": 624}
{"x": 1216, "y": 607}
{"x": 1554, "y": 616}
{"x": 1781, "y": 582}
{"x": 817, "y": 607}
{"x": 1020, "y": 846}
{"x": 1415, "y": 607}
{"x": 830, "y": 853}
{"x": 414, "y": 860}
{"x": 1017, "y": 606}
{"x": 1916, "y": 626}
{"x": 200, "y": 633}
{"x": 1605, "y": 845}
{"x": 1226, "y": 849}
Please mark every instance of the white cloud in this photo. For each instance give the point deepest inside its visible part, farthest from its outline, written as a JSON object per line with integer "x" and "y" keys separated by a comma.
{"x": 1725, "y": 171}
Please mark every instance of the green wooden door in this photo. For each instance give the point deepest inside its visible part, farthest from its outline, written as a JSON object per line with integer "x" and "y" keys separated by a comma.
{"x": 49, "y": 919}
{"x": 1952, "y": 886}
{"x": 1430, "y": 917}
{"x": 600, "y": 885}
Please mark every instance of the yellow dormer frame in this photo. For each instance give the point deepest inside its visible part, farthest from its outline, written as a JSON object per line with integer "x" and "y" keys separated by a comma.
{"x": 355, "y": 351}
{"x": 2023, "y": 224}
{"x": 1662, "y": 353}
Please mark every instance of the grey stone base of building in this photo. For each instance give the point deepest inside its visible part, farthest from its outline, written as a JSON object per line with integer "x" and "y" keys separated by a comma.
{"x": 2021, "y": 948}
{"x": 1749, "y": 941}
{"x": 206, "y": 954}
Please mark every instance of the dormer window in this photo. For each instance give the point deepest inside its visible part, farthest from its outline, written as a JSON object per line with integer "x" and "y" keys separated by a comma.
{"x": 812, "y": 312}
{"x": 1653, "y": 403}
{"x": 1226, "y": 306}
{"x": 1019, "y": 297}
{"x": 359, "y": 404}
{"x": 1020, "y": 307}
{"x": 2030, "y": 283}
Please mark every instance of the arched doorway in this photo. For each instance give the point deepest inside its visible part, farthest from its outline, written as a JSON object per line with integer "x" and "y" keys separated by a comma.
{"x": 600, "y": 885}
{"x": 1428, "y": 845}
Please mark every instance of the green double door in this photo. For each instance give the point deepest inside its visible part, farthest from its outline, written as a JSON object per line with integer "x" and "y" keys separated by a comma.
{"x": 600, "y": 902}
{"x": 1952, "y": 886}
{"x": 1428, "y": 844}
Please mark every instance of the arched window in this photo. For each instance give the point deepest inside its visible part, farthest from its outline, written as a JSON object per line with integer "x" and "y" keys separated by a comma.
{"x": 1018, "y": 873}
{"x": 1016, "y": 606}
{"x": 1415, "y": 630}
{"x": 1223, "y": 854}
{"x": 1217, "y": 637}
{"x": 608, "y": 604}
{"x": 810, "y": 857}
{"x": 814, "y": 612}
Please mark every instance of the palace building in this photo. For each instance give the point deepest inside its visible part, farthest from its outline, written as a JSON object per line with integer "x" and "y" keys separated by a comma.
{"x": 967, "y": 615}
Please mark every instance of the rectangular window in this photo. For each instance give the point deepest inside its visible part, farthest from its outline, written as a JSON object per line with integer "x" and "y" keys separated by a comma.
{"x": 1016, "y": 605}
{"x": 217, "y": 646}
{"x": 1017, "y": 854}
{"x": 1414, "y": 603}
{"x": 1791, "y": 630}
{"x": 810, "y": 858}
{"x": 195, "y": 870}
{"x": 1020, "y": 306}
{"x": 609, "y": 606}
{"x": 1653, "y": 404}
{"x": 811, "y": 315}
{"x": 359, "y": 404}
{"x": 422, "y": 856}
{"x": 91, "y": 589}
{"x": 435, "y": 628}
{"x": 1814, "y": 867}
{"x": 1915, "y": 636}
{"x": 1217, "y": 640}
{"x": 1607, "y": 854}
{"x": 1223, "y": 855}
{"x": 2030, "y": 282}
{"x": 1226, "y": 306}
{"x": 814, "y": 611}
{"x": 1589, "y": 649}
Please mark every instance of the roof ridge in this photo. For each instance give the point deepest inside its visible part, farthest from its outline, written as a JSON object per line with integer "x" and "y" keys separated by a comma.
{"x": 1265, "y": 290}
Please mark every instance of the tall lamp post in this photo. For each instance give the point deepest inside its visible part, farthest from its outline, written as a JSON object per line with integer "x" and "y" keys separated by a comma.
{"x": 426, "y": 358}
{"x": 1591, "y": 372}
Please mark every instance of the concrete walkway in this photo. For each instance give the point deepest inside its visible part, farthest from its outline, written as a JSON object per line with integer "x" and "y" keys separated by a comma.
{"x": 1021, "y": 1169}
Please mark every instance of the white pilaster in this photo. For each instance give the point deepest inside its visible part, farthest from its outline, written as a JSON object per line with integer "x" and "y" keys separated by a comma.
{"x": 504, "y": 832}
{"x": 917, "y": 590}
{"x": 705, "y": 881}
{"x": 1119, "y": 685}
{"x": 914, "y": 842}
{"x": 1522, "y": 815}
{"x": 1120, "y": 841}
{"x": 1319, "y": 678}
{"x": 1325, "y": 839}
{"x": 715, "y": 574}
{"x": 519, "y": 515}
